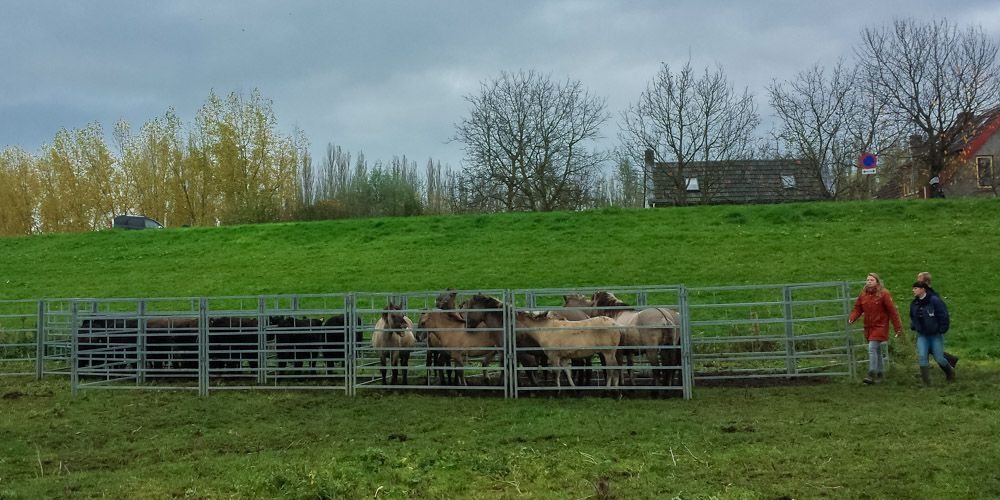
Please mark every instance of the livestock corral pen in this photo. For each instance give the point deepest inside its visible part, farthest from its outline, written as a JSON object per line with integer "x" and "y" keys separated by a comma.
{"x": 647, "y": 339}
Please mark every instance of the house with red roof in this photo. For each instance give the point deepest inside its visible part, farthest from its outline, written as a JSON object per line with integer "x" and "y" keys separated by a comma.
{"x": 976, "y": 158}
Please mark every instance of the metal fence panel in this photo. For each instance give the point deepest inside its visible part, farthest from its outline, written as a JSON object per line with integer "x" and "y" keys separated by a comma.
{"x": 325, "y": 341}
{"x": 648, "y": 356}
{"x": 208, "y": 344}
{"x": 19, "y": 341}
{"x": 419, "y": 341}
{"x": 768, "y": 331}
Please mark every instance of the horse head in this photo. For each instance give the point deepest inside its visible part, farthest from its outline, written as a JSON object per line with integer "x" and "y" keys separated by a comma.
{"x": 423, "y": 325}
{"x": 607, "y": 299}
{"x": 475, "y": 313}
{"x": 446, "y": 299}
{"x": 394, "y": 320}
{"x": 579, "y": 305}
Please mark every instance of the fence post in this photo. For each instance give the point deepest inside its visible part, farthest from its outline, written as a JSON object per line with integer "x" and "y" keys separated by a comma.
{"x": 141, "y": 342}
{"x": 203, "y": 346}
{"x": 40, "y": 342}
{"x": 790, "y": 361}
{"x": 350, "y": 344}
{"x": 510, "y": 346}
{"x": 687, "y": 367}
{"x": 74, "y": 375}
{"x": 846, "y": 296}
{"x": 262, "y": 340}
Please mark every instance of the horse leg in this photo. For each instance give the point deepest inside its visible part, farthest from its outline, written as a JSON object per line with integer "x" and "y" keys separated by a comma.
{"x": 447, "y": 374}
{"x": 487, "y": 374}
{"x": 528, "y": 361}
{"x": 673, "y": 357}
{"x": 567, "y": 366}
{"x": 614, "y": 375}
{"x": 459, "y": 369}
{"x": 630, "y": 358}
{"x": 603, "y": 357}
{"x": 429, "y": 363}
{"x": 623, "y": 358}
{"x": 653, "y": 354}
{"x": 396, "y": 360}
{"x": 381, "y": 362}
{"x": 578, "y": 365}
{"x": 558, "y": 372}
{"x": 404, "y": 358}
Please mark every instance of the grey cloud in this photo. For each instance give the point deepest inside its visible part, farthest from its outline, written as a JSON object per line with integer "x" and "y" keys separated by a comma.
{"x": 387, "y": 77}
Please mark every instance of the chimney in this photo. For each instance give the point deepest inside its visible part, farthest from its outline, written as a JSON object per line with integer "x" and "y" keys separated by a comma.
{"x": 649, "y": 158}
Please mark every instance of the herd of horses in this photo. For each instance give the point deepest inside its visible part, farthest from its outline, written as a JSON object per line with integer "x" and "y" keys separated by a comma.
{"x": 171, "y": 344}
{"x": 564, "y": 341}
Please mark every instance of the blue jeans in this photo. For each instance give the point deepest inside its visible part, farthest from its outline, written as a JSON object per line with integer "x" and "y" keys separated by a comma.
{"x": 875, "y": 356}
{"x": 933, "y": 344}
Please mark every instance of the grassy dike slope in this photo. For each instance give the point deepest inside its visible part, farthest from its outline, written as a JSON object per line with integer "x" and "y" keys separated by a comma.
{"x": 839, "y": 440}
{"x": 956, "y": 240}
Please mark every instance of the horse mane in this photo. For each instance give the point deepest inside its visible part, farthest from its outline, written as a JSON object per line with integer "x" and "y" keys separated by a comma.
{"x": 608, "y": 299}
{"x": 534, "y": 315}
{"x": 576, "y": 296}
{"x": 446, "y": 298}
{"x": 485, "y": 302}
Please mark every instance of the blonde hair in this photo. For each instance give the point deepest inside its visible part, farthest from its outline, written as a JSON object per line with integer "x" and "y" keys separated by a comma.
{"x": 879, "y": 284}
{"x": 924, "y": 276}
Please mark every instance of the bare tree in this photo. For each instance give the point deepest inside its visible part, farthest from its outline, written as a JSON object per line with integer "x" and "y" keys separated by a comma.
{"x": 827, "y": 120}
{"x": 937, "y": 78}
{"x": 530, "y": 139}
{"x": 684, "y": 119}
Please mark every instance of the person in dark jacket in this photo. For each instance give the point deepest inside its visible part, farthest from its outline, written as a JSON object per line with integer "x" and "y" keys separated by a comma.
{"x": 929, "y": 318}
{"x": 926, "y": 278}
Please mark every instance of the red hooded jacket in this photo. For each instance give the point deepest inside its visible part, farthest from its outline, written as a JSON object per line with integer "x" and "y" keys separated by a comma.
{"x": 878, "y": 311}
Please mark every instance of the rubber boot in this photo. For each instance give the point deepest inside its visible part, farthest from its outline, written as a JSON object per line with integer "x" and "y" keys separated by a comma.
{"x": 949, "y": 373}
{"x": 879, "y": 377}
{"x": 952, "y": 359}
{"x": 925, "y": 375}
{"x": 870, "y": 379}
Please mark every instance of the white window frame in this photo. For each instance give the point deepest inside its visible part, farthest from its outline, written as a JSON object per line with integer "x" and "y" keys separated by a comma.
{"x": 691, "y": 184}
{"x": 989, "y": 180}
{"x": 788, "y": 181}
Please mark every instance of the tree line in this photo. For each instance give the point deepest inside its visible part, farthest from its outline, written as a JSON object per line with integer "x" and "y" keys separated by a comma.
{"x": 910, "y": 92}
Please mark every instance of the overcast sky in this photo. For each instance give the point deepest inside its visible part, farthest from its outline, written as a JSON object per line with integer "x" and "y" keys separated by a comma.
{"x": 388, "y": 78}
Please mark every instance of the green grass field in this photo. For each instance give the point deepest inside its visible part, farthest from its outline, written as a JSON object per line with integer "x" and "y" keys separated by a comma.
{"x": 840, "y": 439}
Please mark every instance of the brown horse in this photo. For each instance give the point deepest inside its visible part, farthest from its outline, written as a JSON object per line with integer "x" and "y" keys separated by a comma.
{"x": 649, "y": 328}
{"x": 490, "y": 315}
{"x": 393, "y": 338}
{"x": 443, "y": 331}
{"x": 555, "y": 340}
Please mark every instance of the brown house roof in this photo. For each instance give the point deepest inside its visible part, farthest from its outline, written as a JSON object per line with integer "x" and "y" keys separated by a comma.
{"x": 736, "y": 182}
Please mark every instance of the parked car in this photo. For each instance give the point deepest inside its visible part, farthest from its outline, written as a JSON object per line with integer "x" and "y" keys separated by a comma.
{"x": 135, "y": 222}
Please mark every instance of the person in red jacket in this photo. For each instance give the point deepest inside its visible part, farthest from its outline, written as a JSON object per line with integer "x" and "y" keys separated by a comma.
{"x": 875, "y": 303}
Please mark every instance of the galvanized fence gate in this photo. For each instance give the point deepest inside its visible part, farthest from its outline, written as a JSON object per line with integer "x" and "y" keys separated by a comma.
{"x": 518, "y": 343}
{"x": 772, "y": 331}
